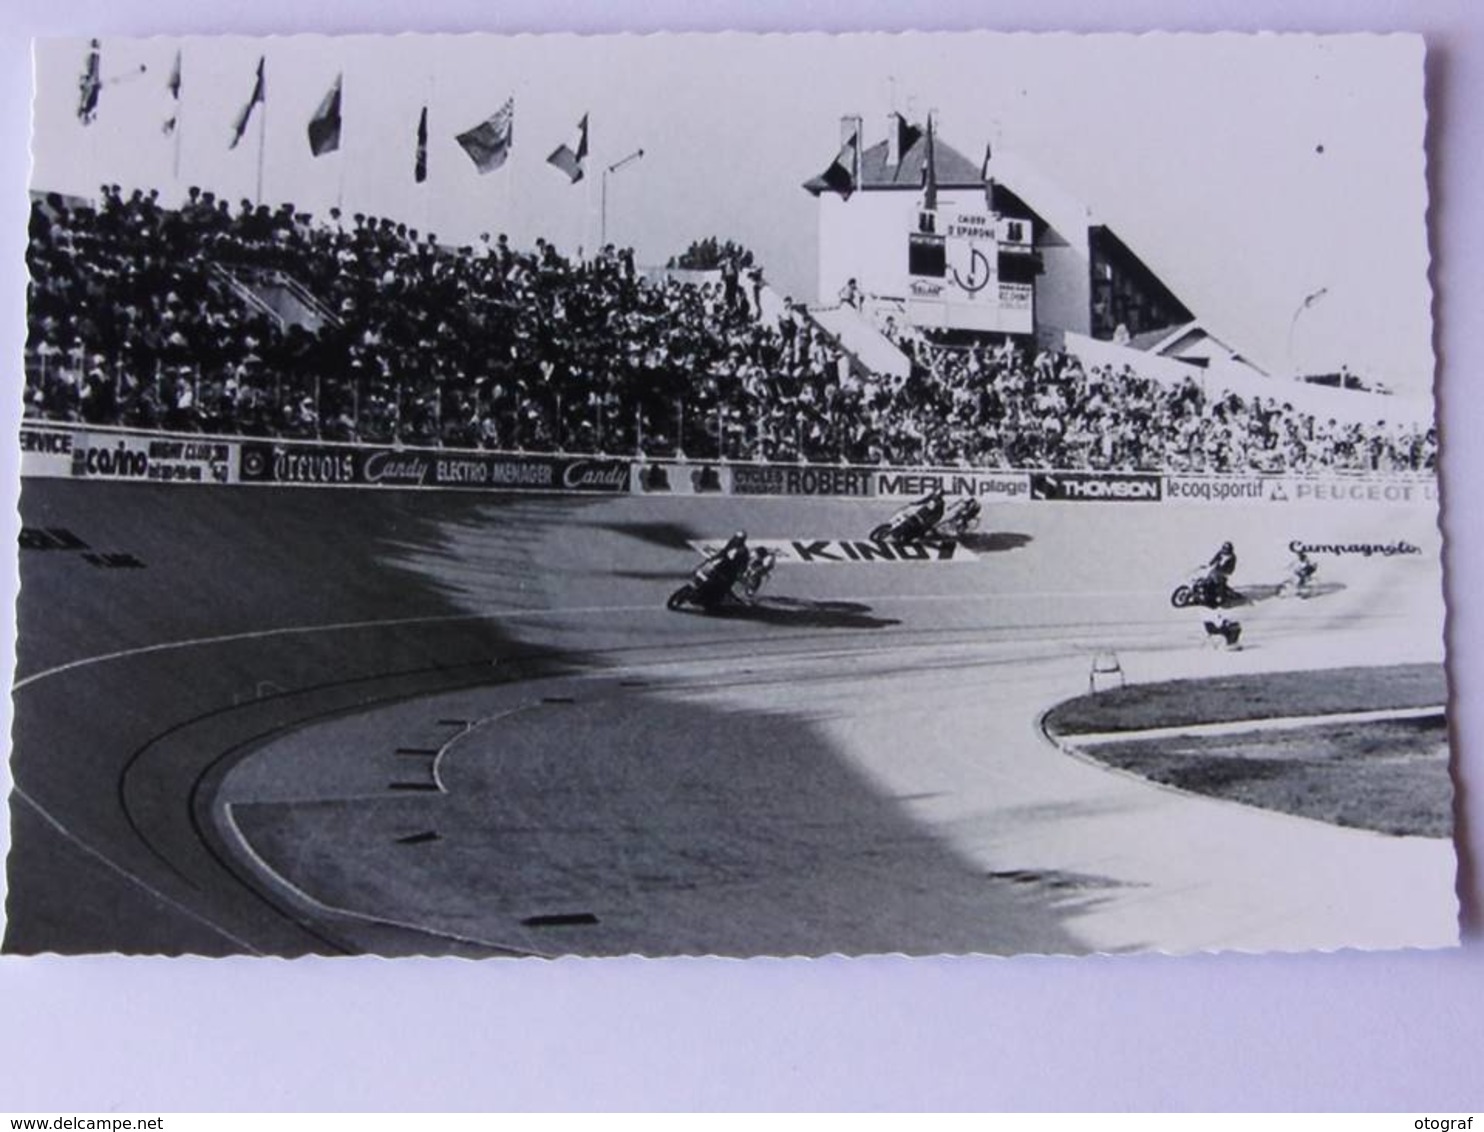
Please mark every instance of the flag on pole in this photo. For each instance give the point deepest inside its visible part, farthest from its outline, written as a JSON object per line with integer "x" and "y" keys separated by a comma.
{"x": 908, "y": 135}
{"x": 929, "y": 173}
{"x": 569, "y": 158}
{"x": 324, "y": 127}
{"x": 488, "y": 144}
{"x": 239, "y": 127}
{"x": 420, "y": 163}
{"x": 840, "y": 176}
{"x": 172, "y": 84}
{"x": 88, "y": 85}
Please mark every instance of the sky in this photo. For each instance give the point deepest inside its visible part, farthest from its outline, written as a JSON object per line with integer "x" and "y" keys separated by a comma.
{"x": 1249, "y": 172}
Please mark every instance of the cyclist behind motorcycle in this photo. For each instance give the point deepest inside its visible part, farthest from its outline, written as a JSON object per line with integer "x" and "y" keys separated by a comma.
{"x": 928, "y": 511}
{"x": 968, "y": 513}
{"x": 1301, "y": 571}
{"x": 759, "y": 567}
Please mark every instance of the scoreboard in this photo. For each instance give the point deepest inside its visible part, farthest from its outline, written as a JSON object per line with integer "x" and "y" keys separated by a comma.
{"x": 971, "y": 269}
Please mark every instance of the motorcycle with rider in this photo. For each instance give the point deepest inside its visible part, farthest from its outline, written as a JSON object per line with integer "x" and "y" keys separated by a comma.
{"x": 1210, "y": 584}
{"x": 928, "y": 518}
{"x": 714, "y": 582}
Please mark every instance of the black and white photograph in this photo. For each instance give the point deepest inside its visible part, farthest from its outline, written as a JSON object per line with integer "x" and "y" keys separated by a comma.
{"x": 729, "y": 495}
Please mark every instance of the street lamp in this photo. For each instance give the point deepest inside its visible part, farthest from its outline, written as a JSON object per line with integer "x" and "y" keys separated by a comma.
{"x": 614, "y": 168}
{"x": 1309, "y": 300}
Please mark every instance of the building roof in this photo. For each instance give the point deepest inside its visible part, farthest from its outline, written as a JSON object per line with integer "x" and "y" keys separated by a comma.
{"x": 1151, "y": 339}
{"x": 953, "y": 169}
{"x": 1067, "y": 215}
{"x": 1176, "y": 341}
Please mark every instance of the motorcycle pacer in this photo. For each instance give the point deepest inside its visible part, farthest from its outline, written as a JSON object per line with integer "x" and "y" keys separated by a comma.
{"x": 712, "y": 582}
{"x": 913, "y": 522}
{"x": 1208, "y": 584}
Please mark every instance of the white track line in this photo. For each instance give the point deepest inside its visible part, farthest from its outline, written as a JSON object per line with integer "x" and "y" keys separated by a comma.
{"x": 295, "y": 630}
{"x": 575, "y": 611}
{"x": 504, "y": 615}
{"x": 127, "y": 875}
{"x": 1239, "y": 726}
{"x": 291, "y": 891}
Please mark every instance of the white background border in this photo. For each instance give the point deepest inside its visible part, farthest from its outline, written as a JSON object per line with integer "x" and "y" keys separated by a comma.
{"x": 1398, "y": 1031}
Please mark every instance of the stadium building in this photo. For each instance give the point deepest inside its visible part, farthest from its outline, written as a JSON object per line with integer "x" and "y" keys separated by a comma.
{"x": 912, "y": 231}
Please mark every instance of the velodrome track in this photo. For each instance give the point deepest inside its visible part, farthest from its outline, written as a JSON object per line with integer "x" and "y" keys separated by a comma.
{"x": 323, "y": 720}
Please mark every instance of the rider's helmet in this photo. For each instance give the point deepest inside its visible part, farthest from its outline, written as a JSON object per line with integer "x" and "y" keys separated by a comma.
{"x": 1226, "y": 548}
{"x": 735, "y": 544}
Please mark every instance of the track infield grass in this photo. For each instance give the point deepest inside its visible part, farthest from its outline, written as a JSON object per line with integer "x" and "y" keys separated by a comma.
{"x": 1386, "y": 775}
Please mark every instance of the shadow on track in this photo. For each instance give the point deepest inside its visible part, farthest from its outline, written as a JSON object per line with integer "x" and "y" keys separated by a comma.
{"x": 991, "y": 542}
{"x": 671, "y": 536}
{"x": 798, "y": 612}
{"x": 1251, "y": 595}
{"x": 644, "y": 575}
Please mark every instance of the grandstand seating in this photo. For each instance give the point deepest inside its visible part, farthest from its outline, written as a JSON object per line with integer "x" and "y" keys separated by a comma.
{"x": 254, "y": 321}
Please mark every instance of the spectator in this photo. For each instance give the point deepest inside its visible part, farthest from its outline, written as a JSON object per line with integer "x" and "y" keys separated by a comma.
{"x": 145, "y": 316}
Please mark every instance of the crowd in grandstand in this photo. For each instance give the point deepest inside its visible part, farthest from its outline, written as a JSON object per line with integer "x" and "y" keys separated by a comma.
{"x": 155, "y": 317}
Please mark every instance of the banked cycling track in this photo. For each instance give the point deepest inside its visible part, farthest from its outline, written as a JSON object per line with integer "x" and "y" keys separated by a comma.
{"x": 292, "y": 720}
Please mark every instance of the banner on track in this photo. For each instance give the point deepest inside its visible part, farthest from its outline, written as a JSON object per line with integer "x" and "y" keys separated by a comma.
{"x": 800, "y": 479}
{"x": 47, "y": 451}
{"x": 1095, "y": 487}
{"x": 82, "y": 454}
{"x": 1216, "y": 489}
{"x": 674, "y": 478}
{"x": 844, "y": 552}
{"x": 1362, "y": 489}
{"x": 996, "y": 487}
{"x": 1300, "y": 489}
{"x": 393, "y": 467}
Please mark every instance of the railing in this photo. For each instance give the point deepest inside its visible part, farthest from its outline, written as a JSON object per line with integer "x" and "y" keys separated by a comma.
{"x": 242, "y": 402}
{"x": 243, "y": 292}
{"x": 51, "y": 450}
{"x": 251, "y": 275}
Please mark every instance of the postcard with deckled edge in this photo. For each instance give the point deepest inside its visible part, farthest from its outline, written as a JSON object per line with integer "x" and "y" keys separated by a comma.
{"x": 729, "y": 495}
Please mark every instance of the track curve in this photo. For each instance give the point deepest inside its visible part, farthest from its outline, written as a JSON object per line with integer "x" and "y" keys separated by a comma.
{"x": 852, "y": 766}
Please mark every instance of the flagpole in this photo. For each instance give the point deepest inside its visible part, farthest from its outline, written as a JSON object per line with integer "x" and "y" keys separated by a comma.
{"x": 507, "y": 191}
{"x": 262, "y": 129}
{"x": 340, "y": 172}
{"x": 94, "y": 47}
{"x": 175, "y": 160}
{"x": 585, "y": 230}
{"x": 428, "y": 145}
{"x": 340, "y": 150}
{"x": 175, "y": 132}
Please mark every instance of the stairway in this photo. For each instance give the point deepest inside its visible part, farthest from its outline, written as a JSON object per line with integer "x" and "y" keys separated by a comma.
{"x": 277, "y": 294}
